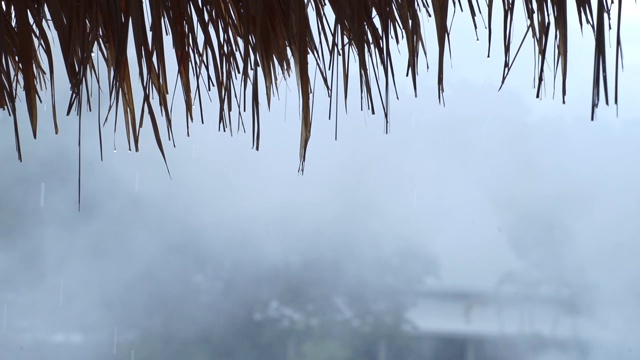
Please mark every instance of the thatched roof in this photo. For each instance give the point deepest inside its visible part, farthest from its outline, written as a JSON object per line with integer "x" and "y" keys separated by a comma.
{"x": 230, "y": 47}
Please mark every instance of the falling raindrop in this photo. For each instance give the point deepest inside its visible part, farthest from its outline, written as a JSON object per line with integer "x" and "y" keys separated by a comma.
{"x": 61, "y": 291}
{"x": 137, "y": 180}
{"x": 42, "y": 194}
{"x": 133, "y": 355}
{"x": 4, "y": 318}
{"x": 115, "y": 340}
{"x": 484, "y": 132}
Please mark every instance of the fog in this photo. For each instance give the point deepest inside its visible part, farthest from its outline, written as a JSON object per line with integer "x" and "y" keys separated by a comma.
{"x": 236, "y": 256}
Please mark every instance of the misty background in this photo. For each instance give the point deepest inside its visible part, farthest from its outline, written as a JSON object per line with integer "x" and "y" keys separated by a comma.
{"x": 236, "y": 256}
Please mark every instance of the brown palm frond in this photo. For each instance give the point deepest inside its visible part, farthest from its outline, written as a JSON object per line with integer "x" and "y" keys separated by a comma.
{"x": 235, "y": 45}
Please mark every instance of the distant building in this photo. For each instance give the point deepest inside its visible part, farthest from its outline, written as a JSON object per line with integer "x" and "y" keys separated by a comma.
{"x": 477, "y": 325}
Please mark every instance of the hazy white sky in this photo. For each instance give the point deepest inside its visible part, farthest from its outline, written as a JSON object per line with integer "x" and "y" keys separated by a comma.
{"x": 491, "y": 183}
{"x": 460, "y": 171}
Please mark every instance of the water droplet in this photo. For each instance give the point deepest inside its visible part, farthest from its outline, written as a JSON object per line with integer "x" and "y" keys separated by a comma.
{"x": 114, "y": 150}
{"x": 4, "y": 318}
{"x": 61, "y": 291}
{"x": 41, "y": 194}
{"x": 115, "y": 340}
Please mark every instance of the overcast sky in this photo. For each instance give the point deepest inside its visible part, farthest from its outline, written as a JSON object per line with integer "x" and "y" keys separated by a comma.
{"x": 492, "y": 183}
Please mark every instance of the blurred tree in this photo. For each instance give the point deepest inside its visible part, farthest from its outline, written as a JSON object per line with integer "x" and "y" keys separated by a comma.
{"x": 353, "y": 296}
{"x": 339, "y": 302}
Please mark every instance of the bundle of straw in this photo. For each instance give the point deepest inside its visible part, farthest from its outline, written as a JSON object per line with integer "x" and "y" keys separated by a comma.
{"x": 234, "y": 45}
